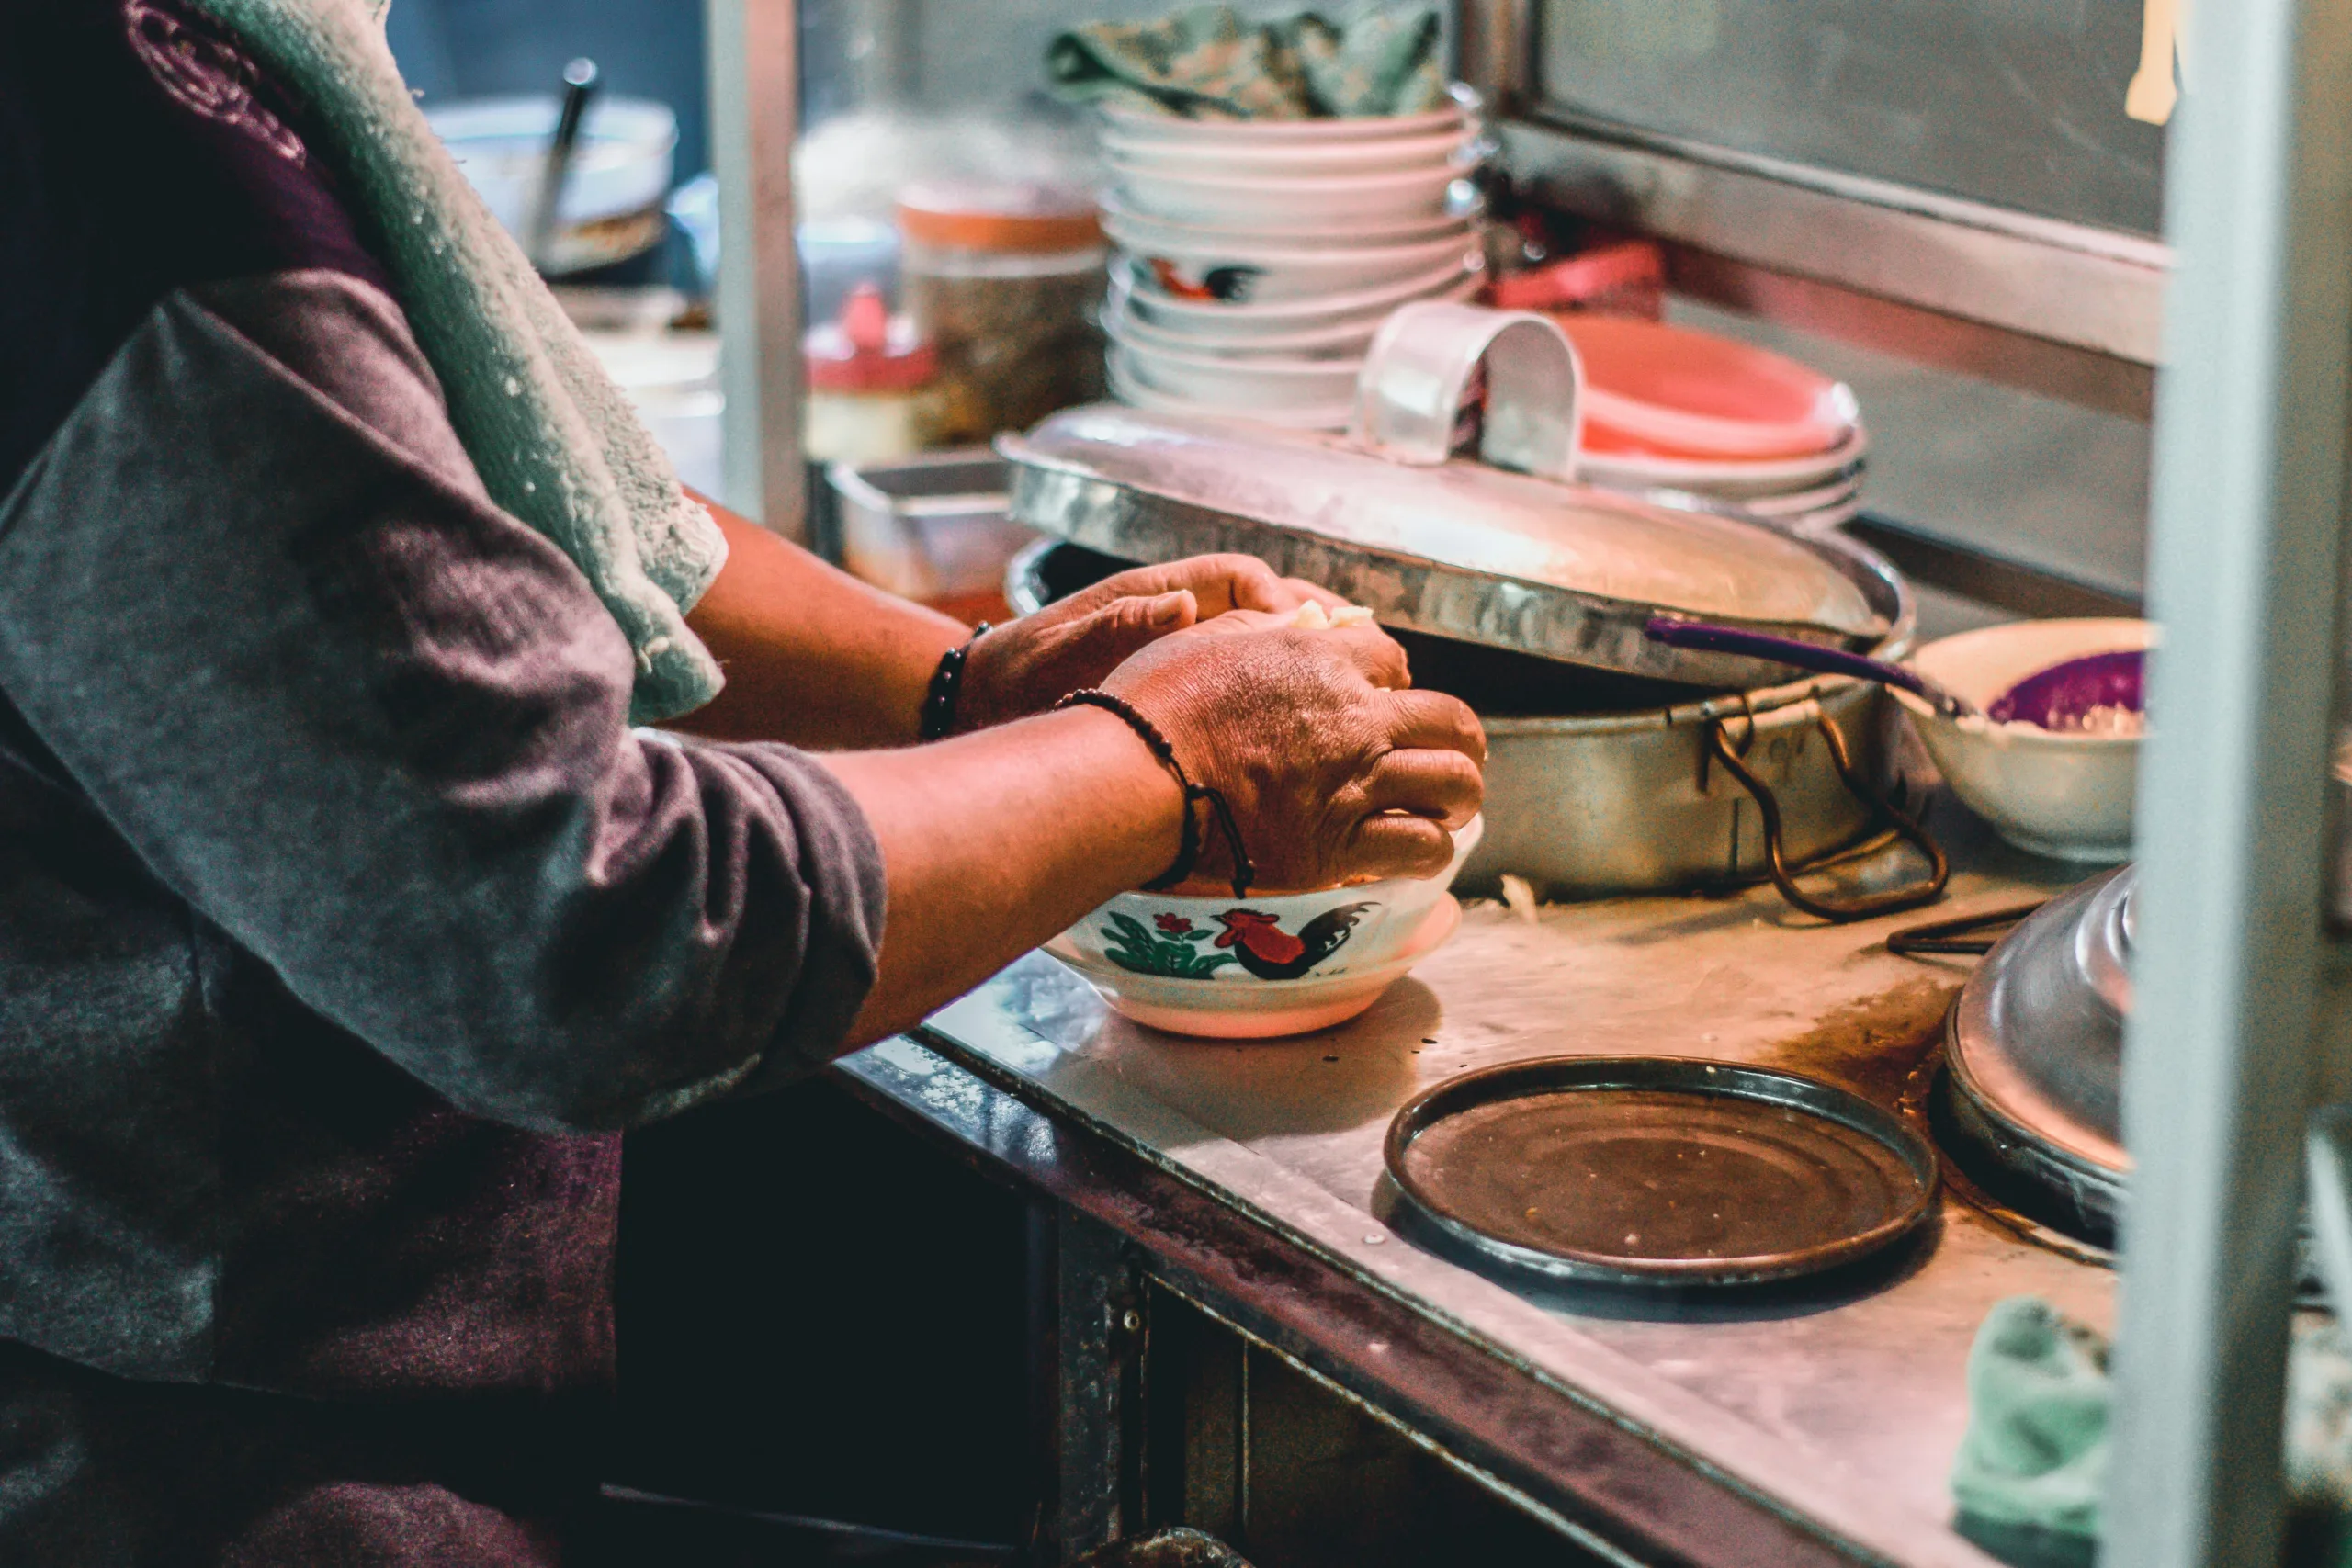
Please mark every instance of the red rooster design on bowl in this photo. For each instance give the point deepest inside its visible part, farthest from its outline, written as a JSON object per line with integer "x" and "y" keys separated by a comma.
{"x": 1270, "y": 952}
{"x": 1253, "y": 938}
{"x": 1230, "y": 283}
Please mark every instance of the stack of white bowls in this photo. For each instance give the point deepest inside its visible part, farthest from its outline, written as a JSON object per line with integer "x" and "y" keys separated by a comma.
{"x": 1810, "y": 495}
{"x": 1254, "y": 260}
{"x": 1666, "y": 408}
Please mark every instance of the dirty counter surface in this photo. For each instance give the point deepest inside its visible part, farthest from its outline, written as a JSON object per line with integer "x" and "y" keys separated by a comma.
{"x": 1843, "y": 1401}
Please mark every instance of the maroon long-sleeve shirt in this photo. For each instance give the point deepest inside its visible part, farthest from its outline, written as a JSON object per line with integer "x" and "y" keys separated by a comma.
{"x": 342, "y": 915}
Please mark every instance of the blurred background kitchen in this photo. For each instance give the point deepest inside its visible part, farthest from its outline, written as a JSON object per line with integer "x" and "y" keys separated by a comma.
{"x": 950, "y": 259}
{"x": 926, "y": 124}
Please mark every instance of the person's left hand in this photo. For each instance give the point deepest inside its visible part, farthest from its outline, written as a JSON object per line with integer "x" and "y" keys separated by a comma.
{"x": 1026, "y": 666}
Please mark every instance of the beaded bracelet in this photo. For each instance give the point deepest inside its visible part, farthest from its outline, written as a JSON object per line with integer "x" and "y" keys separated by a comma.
{"x": 1188, "y": 847}
{"x": 946, "y": 685}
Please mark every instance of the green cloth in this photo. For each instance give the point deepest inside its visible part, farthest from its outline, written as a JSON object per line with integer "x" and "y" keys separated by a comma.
{"x": 2032, "y": 1466}
{"x": 2035, "y": 1452}
{"x": 1208, "y": 63}
{"x": 555, "y": 442}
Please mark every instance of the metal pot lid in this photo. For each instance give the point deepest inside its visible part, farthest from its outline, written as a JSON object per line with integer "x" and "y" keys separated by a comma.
{"x": 1458, "y": 549}
{"x": 2035, "y": 1043}
{"x": 1658, "y": 1170}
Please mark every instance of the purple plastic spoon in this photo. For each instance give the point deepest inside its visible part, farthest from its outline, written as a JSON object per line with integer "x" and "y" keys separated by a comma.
{"x": 2058, "y": 698}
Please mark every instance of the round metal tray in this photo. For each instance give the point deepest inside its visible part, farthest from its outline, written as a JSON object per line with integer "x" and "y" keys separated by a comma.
{"x": 1660, "y": 1171}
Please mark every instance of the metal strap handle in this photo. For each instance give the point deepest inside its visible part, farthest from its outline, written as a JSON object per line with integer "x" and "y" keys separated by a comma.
{"x": 1870, "y": 904}
{"x": 1420, "y": 368}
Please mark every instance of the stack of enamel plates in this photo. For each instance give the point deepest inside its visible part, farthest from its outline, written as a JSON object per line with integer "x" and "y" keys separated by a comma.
{"x": 1670, "y": 410}
{"x": 1256, "y": 258}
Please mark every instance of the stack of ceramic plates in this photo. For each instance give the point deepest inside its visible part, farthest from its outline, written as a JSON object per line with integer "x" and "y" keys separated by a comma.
{"x": 1669, "y": 409}
{"x": 1255, "y": 259}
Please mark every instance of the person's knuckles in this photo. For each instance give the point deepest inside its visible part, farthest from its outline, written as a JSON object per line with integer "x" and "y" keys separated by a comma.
{"x": 1433, "y": 783}
{"x": 1424, "y": 718}
{"x": 1376, "y": 654}
{"x": 1397, "y": 845}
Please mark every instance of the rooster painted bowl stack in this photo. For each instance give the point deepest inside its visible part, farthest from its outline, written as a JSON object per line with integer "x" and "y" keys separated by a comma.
{"x": 1256, "y": 258}
{"x": 1268, "y": 965}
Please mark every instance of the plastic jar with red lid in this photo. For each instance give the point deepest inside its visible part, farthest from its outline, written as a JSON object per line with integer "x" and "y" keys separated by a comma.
{"x": 872, "y": 385}
{"x": 1004, "y": 281}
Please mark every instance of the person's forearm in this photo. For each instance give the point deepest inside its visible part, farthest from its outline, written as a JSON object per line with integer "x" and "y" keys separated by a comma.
{"x": 814, "y": 657}
{"x": 993, "y": 843}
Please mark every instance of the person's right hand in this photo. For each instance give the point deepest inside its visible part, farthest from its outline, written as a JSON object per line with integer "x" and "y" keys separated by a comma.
{"x": 1335, "y": 769}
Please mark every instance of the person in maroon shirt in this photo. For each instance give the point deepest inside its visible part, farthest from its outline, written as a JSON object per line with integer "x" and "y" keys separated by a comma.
{"x": 344, "y": 916}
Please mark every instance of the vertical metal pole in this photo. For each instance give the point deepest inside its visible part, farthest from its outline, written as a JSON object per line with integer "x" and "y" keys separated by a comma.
{"x": 1493, "y": 42}
{"x": 2247, "y": 548}
{"x": 754, "y": 117}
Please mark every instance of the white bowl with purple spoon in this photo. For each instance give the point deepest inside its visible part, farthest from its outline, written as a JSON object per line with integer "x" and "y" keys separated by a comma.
{"x": 2036, "y": 724}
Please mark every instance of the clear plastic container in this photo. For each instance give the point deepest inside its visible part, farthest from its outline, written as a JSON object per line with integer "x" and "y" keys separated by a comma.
{"x": 1004, "y": 281}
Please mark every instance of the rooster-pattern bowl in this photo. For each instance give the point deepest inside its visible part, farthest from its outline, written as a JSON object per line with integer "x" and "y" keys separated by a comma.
{"x": 1259, "y": 1012}
{"x": 1284, "y": 956}
{"x": 1264, "y": 937}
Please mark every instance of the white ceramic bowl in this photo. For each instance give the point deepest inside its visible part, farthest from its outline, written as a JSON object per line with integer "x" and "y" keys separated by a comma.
{"x": 1243, "y": 386}
{"x": 1823, "y": 520}
{"x": 1800, "y": 502}
{"x": 623, "y": 164}
{"x": 1346, "y": 340}
{"x": 1135, "y": 395}
{"x": 1270, "y": 275}
{"x": 1776, "y": 476}
{"x": 1258, "y": 1012}
{"x": 1241, "y": 968}
{"x": 1122, "y": 326}
{"x": 1141, "y": 231}
{"x": 1239, "y": 325}
{"x": 1232, "y": 200}
{"x": 1129, "y": 125}
{"x": 1290, "y": 160}
{"x": 2068, "y": 796}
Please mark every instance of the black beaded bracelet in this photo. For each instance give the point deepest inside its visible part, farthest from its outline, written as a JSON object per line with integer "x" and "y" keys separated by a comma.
{"x": 1188, "y": 846}
{"x": 946, "y": 685}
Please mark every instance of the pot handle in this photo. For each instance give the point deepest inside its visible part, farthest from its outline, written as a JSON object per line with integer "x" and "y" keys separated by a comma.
{"x": 1838, "y": 911}
{"x": 1409, "y": 393}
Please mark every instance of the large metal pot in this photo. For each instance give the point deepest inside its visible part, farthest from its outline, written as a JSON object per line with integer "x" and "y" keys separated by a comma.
{"x": 1585, "y": 805}
{"x": 1616, "y": 785}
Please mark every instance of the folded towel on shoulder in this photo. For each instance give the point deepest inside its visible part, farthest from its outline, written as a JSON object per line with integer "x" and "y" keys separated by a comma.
{"x": 555, "y": 442}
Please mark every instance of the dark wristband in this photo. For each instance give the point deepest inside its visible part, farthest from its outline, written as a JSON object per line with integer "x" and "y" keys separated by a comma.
{"x": 1188, "y": 846}
{"x": 946, "y": 685}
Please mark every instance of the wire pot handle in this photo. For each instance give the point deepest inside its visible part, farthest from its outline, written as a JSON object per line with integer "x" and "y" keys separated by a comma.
{"x": 1911, "y": 896}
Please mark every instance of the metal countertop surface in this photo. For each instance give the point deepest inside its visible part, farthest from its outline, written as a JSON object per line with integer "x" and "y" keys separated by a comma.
{"x": 1844, "y": 1402}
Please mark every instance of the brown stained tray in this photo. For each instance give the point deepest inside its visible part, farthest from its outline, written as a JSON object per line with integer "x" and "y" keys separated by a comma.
{"x": 1660, "y": 1171}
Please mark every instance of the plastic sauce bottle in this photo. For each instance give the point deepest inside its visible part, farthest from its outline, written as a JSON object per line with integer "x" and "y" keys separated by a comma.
{"x": 872, "y": 385}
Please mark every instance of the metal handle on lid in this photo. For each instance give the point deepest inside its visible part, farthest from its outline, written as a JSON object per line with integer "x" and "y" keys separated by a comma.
{"x": 1409, "y": 393}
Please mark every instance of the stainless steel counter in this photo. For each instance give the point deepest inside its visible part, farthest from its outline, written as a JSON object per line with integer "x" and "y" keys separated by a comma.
{"x": 1839, "y": 1407}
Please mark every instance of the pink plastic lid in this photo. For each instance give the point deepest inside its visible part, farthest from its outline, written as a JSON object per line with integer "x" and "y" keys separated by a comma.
{"x": 1669, "y": 392}
{"x": 868, "y": 349}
